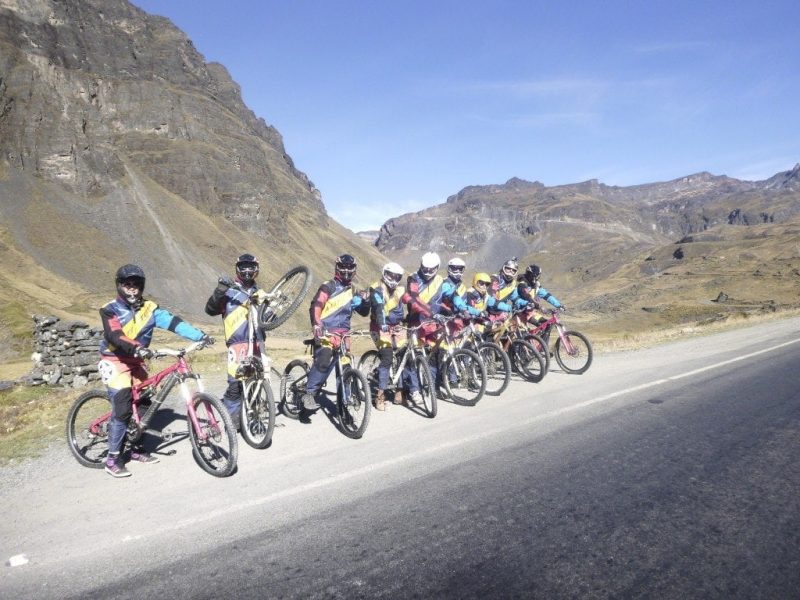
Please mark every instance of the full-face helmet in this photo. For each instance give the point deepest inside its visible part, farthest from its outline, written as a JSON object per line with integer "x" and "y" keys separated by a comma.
{"x": 130, "y": 281}
{"x": 247, "y": 269}
{"x": 510, "y": 268}
{"x": 429, "y": 265}
{"x": 481, "y": 282}
{"x": 533, "y": 273}
{"x": 455, "y": 268}
{"x": 392, "y": 274}
{"x": 345, "y": 268}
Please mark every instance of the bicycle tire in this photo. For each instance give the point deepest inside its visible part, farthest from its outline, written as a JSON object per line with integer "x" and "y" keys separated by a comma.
{"x": 580, "y": 357}
{"x": 541, "y": 347}
{"x": 90, "y": 448}
{"x": 498, "y": 367}
{"x": 293, "y": 387}
{"x": 427, "y": 389}
{"x": 218, "y": 453}
{"x": 354, "y": 412}
{"x": 368, "y": 365}
{"x": 527, "y": 361}
{"x": 258, "y": 415}
{"x": 470, "y": 373}
{"x": 292, "y": 287}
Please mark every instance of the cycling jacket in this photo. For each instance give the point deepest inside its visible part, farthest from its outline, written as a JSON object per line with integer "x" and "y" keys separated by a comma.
{"x": 386, "y": 305}
{"x": 533, "y": 293}
{"x": 126, "y": 328}
{"x": 333, "y": 305}
{"x": 506, "y": 291}
{"x": 234, "y": 306}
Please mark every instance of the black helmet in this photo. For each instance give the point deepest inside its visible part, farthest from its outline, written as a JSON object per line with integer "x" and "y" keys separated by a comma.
{"x": 510, "y": 268}
{"x": 134, "y": 276}
{"x": 247, "y": 268}
{"x": 345, "y": 268}
{"x": 532, "y": 273}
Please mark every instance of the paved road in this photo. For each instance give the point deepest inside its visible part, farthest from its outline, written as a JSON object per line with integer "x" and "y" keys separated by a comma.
{"x": 668, "y": 472}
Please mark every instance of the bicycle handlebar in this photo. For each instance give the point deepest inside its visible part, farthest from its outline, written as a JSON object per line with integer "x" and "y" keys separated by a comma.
{"x": 193, "y": 347}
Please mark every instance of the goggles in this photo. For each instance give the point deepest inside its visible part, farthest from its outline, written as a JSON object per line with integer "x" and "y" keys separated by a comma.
{"x": 511, "y": 271}
{"x": 395, "y": 277}
{"x": 132, "y": 282}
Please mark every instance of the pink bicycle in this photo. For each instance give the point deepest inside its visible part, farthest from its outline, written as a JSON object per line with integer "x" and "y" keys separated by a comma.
{"x": 572, "y": 349}
{"x": 211, "y": 431}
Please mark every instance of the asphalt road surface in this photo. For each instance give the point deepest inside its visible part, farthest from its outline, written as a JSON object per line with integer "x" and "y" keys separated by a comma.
{"x": 670, "y": 472}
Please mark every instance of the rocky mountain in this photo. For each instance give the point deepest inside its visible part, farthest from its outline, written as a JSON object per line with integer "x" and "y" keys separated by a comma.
{"x": 588, "y": 222}
{"x": 119, "y": 143}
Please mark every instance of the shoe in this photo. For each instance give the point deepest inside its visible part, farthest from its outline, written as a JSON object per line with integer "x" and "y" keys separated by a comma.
{"x": 416, "y": 397}
{"x": 116, "y": 468}
{"x": 380, "y": 403}
{"x": 144, "y": 457}
{"x": 398, "y": 398}
{"x": 309, "y": 402}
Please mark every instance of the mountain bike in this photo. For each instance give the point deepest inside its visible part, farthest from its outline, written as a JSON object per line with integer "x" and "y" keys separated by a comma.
{"x": 410, "y": 355}
{"x": 265, "y": 311}
{"x": 495, "y": 359}
{"x": 572, "y": 350}
{"x": 461, "y": 370}
{"x": 210, "y": 429}
{"x": 353, "y": 398}
{"x": 510, "y": 336}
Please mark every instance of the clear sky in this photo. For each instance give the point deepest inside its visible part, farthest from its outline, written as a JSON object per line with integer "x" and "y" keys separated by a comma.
{"x": 391, "y": 106}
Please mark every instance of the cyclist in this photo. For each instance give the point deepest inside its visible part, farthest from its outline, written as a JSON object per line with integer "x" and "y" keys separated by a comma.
{"x": 479, "y": 298}
{"x": 387, "y": 298}
{"x": 453, "y": 290}
{"x": 128, "y": 323}
{"x": 331, "y": 309}
{"x": 504, "y": 289}
{"x": 231, "y": 299}
{"x": 530, "y": 289}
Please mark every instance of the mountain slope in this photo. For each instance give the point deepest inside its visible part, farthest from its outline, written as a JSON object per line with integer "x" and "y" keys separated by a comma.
{"x": 119, "y": 143}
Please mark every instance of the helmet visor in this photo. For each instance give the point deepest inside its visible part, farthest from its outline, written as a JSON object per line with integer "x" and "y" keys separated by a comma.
{"x": 429, "y": 271}
{"x": 393, "y": 277}
{"x": 509, "y": 271}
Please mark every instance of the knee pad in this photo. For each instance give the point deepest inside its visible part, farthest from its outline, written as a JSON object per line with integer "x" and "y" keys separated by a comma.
{"x": 121, "y": 405}
{"x": 323, "y": 357}
{"x": 385, "y": 355}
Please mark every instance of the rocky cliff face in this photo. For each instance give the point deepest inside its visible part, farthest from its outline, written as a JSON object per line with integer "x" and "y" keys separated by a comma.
{"x": 119, "y": 143}
{"x": 88, "y": 87}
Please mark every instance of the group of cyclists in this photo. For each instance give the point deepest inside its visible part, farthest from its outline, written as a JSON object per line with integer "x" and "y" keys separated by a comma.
{"x": 427, "y": 299}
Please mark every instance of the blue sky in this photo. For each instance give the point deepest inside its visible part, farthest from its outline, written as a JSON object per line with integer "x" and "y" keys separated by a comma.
{"x": 392, "y": 106}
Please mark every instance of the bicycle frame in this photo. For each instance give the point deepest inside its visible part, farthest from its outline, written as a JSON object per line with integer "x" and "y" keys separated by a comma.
{"x": 409, "y": 353}
{"x": 177, "y": 373}
{"x": 552, "y": 320}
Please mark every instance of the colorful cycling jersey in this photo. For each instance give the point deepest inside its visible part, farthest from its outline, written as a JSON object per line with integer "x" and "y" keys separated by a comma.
{"x": 533, "y": 293}
{"x": 126, "y": 328}
{"x": 423, "y": 297}
{"x": 483, "y": 302}
{"x": 234, "y": 306}
{"x": 506, "y": 291}
{"x": 386, "y": 305}
{"x": 333, "y": 305}
{"x": 452, "y": 298}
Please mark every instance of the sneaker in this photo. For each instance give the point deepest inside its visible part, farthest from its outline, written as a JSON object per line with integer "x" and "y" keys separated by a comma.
{"x": 380, "y": 403}
{"x": 144, "y": 457}
{"x": 416, "y": 397}
{"x": 116, "y": 468}
{"x": 309, "y": 402}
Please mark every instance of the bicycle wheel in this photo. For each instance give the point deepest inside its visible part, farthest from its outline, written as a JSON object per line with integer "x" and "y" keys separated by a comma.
{"x": 214, "y": 444}
{"x": 541, "y": 347}
{"x": 498, "y": 368}
{"x": 353, "y": 409}
{"x": 368, "y": 365}
{"x": 258, "y": 414}
{"x": 293, "y": 387}
{"x": 290, "y": 290}
{"x": 574, "y": 356}
{"x": 426, "y": 387}
{"x": 87, "y": 428}
{"x": 464, "y": 377}
{"x": 527, "y": 361}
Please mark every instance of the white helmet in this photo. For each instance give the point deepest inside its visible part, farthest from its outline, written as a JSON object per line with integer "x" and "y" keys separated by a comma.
{"x": 392, "y": 274}
{"x": 455, "y": 268}
{"x": 429, "y": 265}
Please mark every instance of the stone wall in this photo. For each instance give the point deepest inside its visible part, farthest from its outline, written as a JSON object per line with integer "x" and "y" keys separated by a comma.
{"x": 65, "y": 352}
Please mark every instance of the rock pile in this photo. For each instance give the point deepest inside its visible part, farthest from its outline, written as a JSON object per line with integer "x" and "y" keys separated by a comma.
{"x": 66, "y": 352}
